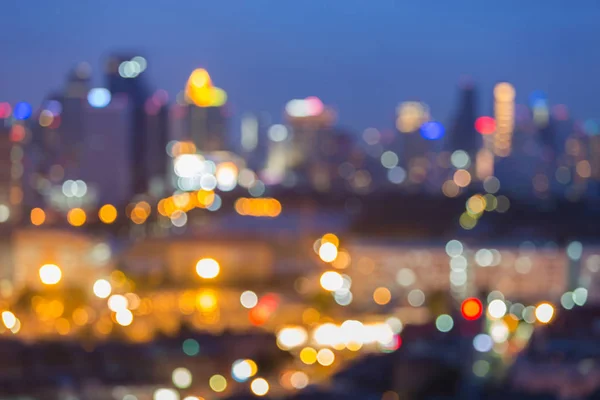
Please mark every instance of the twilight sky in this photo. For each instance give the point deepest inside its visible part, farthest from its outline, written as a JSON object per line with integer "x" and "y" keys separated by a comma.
{"x": 362, "y": 56}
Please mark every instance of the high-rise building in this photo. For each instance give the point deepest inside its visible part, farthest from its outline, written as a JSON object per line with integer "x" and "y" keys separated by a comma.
{"x": 207, "y": 128}
{"x": 107, "y": 156}
{"x": 311, "y": 124}
{"x": 254, "y": 141}
{"x": 463, "y": 135}
{"x": 157, "y": 137}
{"x": 124, "y": 75}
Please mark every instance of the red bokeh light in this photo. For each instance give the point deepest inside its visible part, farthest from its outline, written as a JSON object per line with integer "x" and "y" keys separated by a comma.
{"x": 471, "y": 309}
{"x": 5, "y": 110}
{"x": 485, "y": 125}
{"x": 17, "y": 133}
{"x": 264, "y": 309}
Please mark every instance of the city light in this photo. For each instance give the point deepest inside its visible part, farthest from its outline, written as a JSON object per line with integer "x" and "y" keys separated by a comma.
{"x": 248, "y": 299}
{"x": 38, "y": 216}
{"x": 328, "y": 252}
{"x": 331, "y": 281}
{"x": 166, "y": 394}
{"x": 544, "y": 313}
{"x": 325, "y": 357}
{"x": 259, "y": 387}
{"x": 124, "y": 317}
{"x": 291, "y": 337}
{"x": 471, "y": 309}
{"x": 444, "y": 323}
{"x": 485, "y": 125}
{"x": 182, "y": 378}
{"x": 107, "y": 213}
{"x": 9, "y": 320}
{"x": 432, "y": 130}
{"x": 99, "y": 97}
{"x": 207, "y": 268}
{"x": 242, "y": 370}
{"x": 76, "y": 217}
{"x": 22, "y": 111}
{"x": 117, "y": 303}
{"x": 50, "y": 274}
{"x": 299, "y": 380}
{"x": 102, "y": 288}
{"x": 201, "y": 92}
{"x": 382, "y": 296}
{"x": 309, "y": 107}
{"x": 411, "y": 116}
{"x": 308, "y": 355}
{"x": 218, "y": 383}
{"x": 497, "y": 309}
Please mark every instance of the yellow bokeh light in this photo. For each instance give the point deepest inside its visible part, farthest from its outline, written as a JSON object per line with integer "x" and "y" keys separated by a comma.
{"x": 80, "y": 316}
{"x": 308, "y": 355}
{"x": 544, "y": 312}
{"x": 310, "y": 316}
{"x": 63, "y": 326}
{"x": 206, "y": 301}
{"x": 476, "y": 204}
{"x": 199, "y": 78}
{"x": 342, "y": 260}
{"x": 107, "y": 213}
{"x": 382, "y": 295}
{"x": 205, "y": 198}
{"x": 218, "y": 383}
{"x": 259, "y": 386}
{"x": 328, "y": 252}
{"x": 38, "y": 216}
{"x": 331, "y": 281}
{"x": 207, "y": 268}
{"x": 76, "y": 217}
{"x": 467, "y": 221}
{"x": 331, "y": 238}
{"x": 50, "y": 274}
{"x": 262, "y": 207}
{"x": 325, "y": 357}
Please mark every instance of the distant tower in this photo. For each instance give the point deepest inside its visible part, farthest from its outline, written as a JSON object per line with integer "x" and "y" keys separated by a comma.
{"x": 124, "y": 75}
{"x": 157, "y": 137}
{"x": 463, "y": 135}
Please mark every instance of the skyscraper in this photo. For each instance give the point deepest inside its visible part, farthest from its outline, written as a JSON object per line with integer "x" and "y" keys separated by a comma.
{"x": 157, "y": 136}
{"x": 463, "y": 135}
{"x": 208, "y": 128}
{"x": 124, "y": 75}
{"x": 108, "y": 152}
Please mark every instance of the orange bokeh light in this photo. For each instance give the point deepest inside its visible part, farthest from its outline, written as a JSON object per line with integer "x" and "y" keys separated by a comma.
{"x": 471, "y": 309}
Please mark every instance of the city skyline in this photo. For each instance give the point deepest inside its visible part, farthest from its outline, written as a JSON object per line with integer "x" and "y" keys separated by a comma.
{"x": 258, "y": 56}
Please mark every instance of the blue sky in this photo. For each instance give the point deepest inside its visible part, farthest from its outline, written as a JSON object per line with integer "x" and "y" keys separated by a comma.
{"x": 363, "y": 56}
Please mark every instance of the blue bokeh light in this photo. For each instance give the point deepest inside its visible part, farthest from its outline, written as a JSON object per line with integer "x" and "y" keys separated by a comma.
{"x": 22, "y": 110}
{"x": 99, "y": 97}
{"x": 432, "y": 130}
